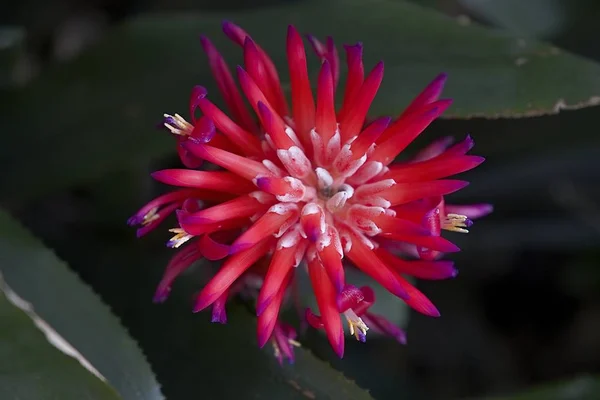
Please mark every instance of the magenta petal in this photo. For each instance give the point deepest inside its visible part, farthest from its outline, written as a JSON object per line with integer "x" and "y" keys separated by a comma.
{"x": 313, "y": 319}
{"x": 234, "y": 32}
{"x": 382, "y": 325}
{"x": 472, "y": 211}
{"x": 430, "y": 94}
{"x": 434, "y": 149}
{"x": 219, "y": 314}
{"x": 198, "y": 92}
{"x": 349, "y": 297}
{"x": 204, "y": 130}
{"x": 211, "y": 249}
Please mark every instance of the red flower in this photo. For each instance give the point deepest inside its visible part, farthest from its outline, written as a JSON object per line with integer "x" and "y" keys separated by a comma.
{"x": 309, "y": 187}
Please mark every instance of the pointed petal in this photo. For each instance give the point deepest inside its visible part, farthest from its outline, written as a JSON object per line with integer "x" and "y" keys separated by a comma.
{"x": 274, "y": 127}
{"x": 326, "y": 300}
{"x": 242, "y": 166}
{"x": 277, "y": 220}
{"x": 434, "y": 149}
{"x": 329, "y": 249}
{"x": 430, "y": 94}
{"x": 157, "y": 218}
{"x": 432, "y": 270}
{"x": 151, "y": 207}
{"x": 460, "y": 148}
{"x": 245, "y": 140}
{"x": 436, "y": 243}
{"x": 353, "y": 120}
{"x": 212, "y": 180}
{"x": 365, "y": 259}
{"x": 368, "y": 136}
{"x": 355, "y": 77}
{"x": 435, "y": 168}
{"x": 243, "y": 206}
{"x": 325, "y": 121}
{"x": 282, "y": 262}
{"x": 268, "y": 318}
{"x": 231, "y": 270}
{"x": 197, "y": 229}
{"x": 405, "y": 192}
{"x": 219, "y": 314}
{"x": 402, "y": 132}
{"x": 239, "y": 36}
{"x": 182, "y": 260}
{"x": 303, "y": 105}
{"x": 227, "y": 86}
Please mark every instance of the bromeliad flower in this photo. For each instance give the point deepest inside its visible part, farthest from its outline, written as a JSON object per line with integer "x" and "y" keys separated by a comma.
{"x": 309, "y": 188}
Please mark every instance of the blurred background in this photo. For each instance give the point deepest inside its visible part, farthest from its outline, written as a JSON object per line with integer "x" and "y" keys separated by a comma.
{"x": 523, "y": 317}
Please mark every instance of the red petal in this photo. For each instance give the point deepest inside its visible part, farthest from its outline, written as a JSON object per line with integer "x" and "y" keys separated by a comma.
{"x": 326, "y": 300}
{"x": 434, "y": 168}
{"x": 274, "y": 127}
{"x": 265, "y": 226}
{"x": 419, "y": 269}
{"x": 365, "y": 259}
{"x": 402, "y": 132}
{"x": 328, "y": 53}
{"x": 268, "y": 318}
{"x": 329, "y": 248}
{"x": 430, "y": 94}
{"x": 282, "y": 262}
{"x": 303, "y": 105}
{"x": 182, "y": 260}
{"x": 239, "y": 36}
{"x": 231, "y": 270}
{"x": 353, "y": 120}
{"x": 211, "y": 249}
{"x": 406, "y": 192}
{"x": 355, "y": 77}
{"x": 242, "y": 166}
{"x": 243, "y": 206}
{"x": 227, "y": 86}
{"x": 218, "y": 312}
{"x": 245, "y": 140}
{"x": 437, "y": 243}
{"x": 212, "y": 180}
{"x": 325, "y": 121}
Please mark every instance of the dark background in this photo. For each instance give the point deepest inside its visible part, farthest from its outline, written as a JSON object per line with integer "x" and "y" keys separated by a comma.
{"x": 525, "y": 309}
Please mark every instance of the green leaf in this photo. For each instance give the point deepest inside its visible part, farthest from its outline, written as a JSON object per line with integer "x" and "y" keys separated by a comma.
{"x": 190, "y": 355}
{"x": 73, "y": 310}
{"x": 583, "y": 388}
{"x": 532, "y": 18}
{"x": 32, "y": 364}
{"x": 223, "y": 361}
{"x": 97, "y": 113}
{"x": 188, "y": 352}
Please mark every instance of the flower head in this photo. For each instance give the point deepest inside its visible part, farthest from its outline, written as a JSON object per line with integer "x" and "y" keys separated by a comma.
{"x": 306, "y": 186}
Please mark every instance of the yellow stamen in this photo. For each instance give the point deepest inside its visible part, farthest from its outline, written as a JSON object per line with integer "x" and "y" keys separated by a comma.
{"x": 150, "y": 217}
{"x": 180, "y": 126}
{"x": 356, "y": 325}
{"x": 180, "y": 237}
{"x": 277, "y": 350}
{"x": 455, "y": 223}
